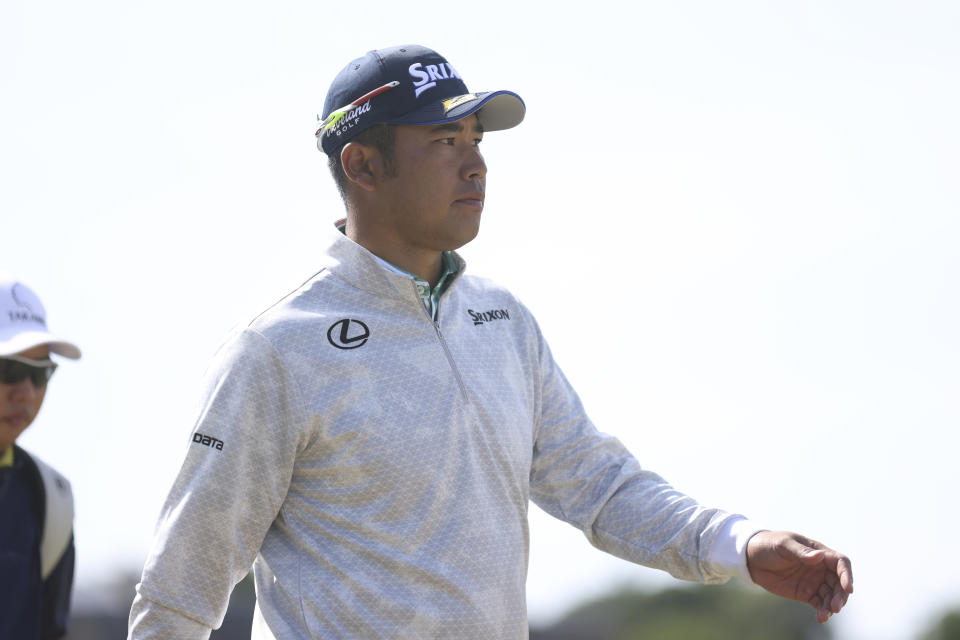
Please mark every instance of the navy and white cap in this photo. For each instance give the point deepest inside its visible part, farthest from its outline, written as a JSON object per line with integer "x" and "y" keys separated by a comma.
{"x": 408, "y": 84}
{"x": 23, "y": 322}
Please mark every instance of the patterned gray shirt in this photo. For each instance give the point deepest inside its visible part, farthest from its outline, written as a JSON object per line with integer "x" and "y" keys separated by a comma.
{"x": 376, "y": 468}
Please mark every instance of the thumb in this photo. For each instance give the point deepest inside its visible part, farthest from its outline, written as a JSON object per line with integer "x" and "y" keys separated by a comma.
{"x": 807, "y": 554}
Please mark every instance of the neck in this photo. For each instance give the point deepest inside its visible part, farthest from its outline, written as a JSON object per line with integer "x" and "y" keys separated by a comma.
{"x": 426, "y": 264}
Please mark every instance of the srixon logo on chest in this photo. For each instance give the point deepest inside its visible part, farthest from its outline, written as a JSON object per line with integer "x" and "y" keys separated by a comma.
{"x": 479, "y": 317}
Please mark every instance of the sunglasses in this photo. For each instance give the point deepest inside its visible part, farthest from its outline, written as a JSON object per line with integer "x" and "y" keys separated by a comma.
{"x": 15, "y": 369}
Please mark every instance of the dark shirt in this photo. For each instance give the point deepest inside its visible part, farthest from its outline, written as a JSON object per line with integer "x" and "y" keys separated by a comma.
{"x": 30, "y": 607}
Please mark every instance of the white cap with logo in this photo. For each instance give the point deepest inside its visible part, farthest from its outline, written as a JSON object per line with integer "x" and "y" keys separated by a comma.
{"x": 23, "y": 322}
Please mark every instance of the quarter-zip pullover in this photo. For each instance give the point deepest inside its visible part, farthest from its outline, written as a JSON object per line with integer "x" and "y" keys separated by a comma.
{"x": 375, "y": 466}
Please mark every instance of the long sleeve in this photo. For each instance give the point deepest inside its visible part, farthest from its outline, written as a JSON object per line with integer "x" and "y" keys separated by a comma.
{"x": 590, "y": 480}
{"x": 227, "y": 495}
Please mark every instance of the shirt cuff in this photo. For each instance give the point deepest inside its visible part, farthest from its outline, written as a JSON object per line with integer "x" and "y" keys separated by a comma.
{"x": 153, "y": 621}
{"x": 729, "y": 553}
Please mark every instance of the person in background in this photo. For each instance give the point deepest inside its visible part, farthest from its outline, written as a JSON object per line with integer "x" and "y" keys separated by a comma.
{"x": 36, "y": 502}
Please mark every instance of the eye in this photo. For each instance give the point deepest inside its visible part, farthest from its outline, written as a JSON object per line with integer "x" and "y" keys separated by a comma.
{"x": 447, "y": 141}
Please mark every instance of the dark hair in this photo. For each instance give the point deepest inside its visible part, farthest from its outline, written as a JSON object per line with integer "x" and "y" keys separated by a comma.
{"x": 381, "y": 137}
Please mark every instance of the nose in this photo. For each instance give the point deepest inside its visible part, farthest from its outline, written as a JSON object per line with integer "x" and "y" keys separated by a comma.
{"x": 24, "y": 391}
{"x": 474, "y": 168}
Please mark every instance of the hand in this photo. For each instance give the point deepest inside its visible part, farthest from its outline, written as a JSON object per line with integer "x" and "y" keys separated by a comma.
{"x": 796, "y": 567}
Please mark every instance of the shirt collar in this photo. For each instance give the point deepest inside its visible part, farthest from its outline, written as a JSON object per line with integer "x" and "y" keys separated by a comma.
{"x": 448, "y": 263}
{"x": 429, "y": 297}
{"x": 6, "y": 457}
{"x": 362, "y": 269}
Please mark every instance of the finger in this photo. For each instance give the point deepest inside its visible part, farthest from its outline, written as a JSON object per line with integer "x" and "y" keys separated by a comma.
{"x": 823, "y": 615}
{"x": 816, "y": 602}
{"x": 845, "y": 573}
{"x": 839, "y": 599}
{"x": 809, "y": 542}
{"x": 825, "y": 593}
{"x": 823, "y": 609}
{"x": 823, "y": 602}
{"x": 840, "y": 564}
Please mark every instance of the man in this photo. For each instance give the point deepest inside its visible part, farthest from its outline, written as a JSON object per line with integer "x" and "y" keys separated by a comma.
{"x": 36, "y": 503}
{"x": 371, "y": 442}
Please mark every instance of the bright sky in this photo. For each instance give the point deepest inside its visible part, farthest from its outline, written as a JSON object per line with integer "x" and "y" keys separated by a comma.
{"x": 736, "y": 222}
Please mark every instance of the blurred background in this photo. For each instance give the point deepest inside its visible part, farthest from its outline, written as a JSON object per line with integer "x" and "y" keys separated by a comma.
{"x": 625, "y": 612}
{"x": 737, "y": 224}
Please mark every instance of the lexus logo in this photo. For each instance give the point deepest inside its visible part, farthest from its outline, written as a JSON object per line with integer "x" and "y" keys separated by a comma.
{"x": 348, "y": 334}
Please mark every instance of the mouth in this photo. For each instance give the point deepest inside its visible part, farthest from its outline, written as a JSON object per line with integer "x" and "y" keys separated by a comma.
{"x": 15, "y": 420}
{"x": 474, "y": 199}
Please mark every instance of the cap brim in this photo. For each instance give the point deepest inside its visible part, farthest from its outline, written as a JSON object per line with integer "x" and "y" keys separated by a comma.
{"x": 29, "y": 339}
{"x": 497, "y": 110}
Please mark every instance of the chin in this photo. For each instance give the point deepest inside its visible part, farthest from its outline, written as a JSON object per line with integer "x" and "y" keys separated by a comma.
{"x": 465, "y": 236}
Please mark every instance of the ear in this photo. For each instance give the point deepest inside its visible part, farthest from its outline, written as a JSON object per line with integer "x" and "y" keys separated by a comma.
{"x": 361, "y": 164}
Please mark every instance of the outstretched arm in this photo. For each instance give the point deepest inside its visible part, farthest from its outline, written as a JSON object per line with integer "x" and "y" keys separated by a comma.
{"x": 799, "y": 568}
